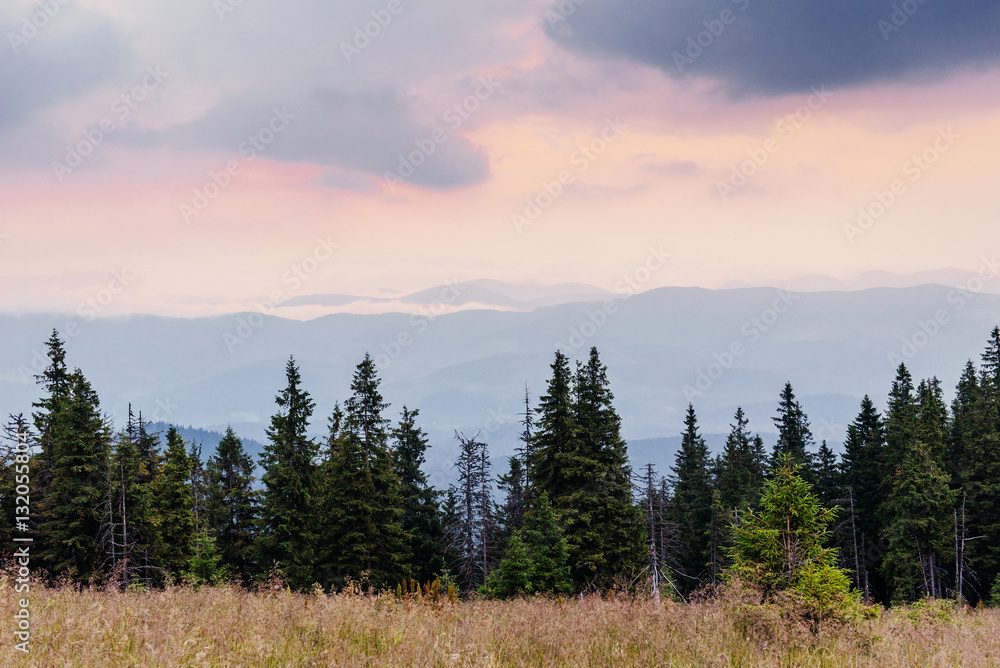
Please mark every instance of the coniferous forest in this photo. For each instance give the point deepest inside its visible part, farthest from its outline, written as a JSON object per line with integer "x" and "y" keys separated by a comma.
{"x": 910, "y": 510}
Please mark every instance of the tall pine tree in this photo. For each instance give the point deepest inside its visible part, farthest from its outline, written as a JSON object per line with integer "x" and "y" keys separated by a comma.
{"x": 287, "y": 535}
{"x": 365, "y": 539}
{"x": 605, "y": 530}
{"x": 794, "y": 435}
{"x": 421, "y": 516}
{"x": 861, "y": 476}
{"x": 173, "y": 512}
{"x": 739, "y": 470}
{"x": 231, "y": 504}
{"x": 691, "y": 506}
{"x": 76, "y": 444}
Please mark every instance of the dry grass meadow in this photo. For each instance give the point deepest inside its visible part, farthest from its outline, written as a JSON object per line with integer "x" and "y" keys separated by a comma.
{"x": 232, "y": 627}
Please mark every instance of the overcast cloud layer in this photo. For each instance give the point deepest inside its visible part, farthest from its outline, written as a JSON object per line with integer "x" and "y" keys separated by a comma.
{"x": 208, "y": 146}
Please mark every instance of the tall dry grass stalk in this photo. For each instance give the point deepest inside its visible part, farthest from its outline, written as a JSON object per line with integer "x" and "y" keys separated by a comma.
{"x": 231, "y": 627}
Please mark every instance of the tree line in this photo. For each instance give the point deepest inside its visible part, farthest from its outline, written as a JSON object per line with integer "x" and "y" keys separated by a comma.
{"x": 913, "y": 501}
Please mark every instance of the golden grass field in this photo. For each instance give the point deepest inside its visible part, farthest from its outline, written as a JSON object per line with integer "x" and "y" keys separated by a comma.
{"x": 232, "y": 627}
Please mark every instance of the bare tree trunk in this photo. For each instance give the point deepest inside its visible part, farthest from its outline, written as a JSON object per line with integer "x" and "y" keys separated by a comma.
{"x": 930, "y": 561}
{"x": 654, "y": 565}
{"x": 854, "y": 533}
{"x": 958, "y": 563}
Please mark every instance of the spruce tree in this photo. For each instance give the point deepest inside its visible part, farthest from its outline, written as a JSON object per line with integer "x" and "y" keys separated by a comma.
{"x": 861, "y": 471}
{"x": 76, "y": 449}
{"x": 548, "y": 551}
{"x": 984, "y": 473}
{"x": 900, "y": 425}
{"x": 537, "y": 558}
{"x": 974, "y": 463}
{"x": 932, "y": 422}
{"x": 827, "y": 475}
{"x": 605, "y": 530}
{"x": 199, "y": 488}
{"x": 421, "y": 517}
{"x": 15, "y": 441}
{"x": 794, "y": 435}
{"x": 919, "y": 509}
{"x": 555, "y": 434}
{"x": 691, "y": 507}
{"x": 173, "y": 509}
{"x": 780, "y": 549}
{"x": 55, "y": 380}
{"x": 287, "y": 534}
{"x": 231, "y": 504}
{"x": 739, "y": 476}
{"x": 361, "y": 492}
{"x": 511, "y": 514}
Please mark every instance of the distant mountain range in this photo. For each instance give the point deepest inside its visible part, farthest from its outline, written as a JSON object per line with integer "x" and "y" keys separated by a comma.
{"x": 498, "y": 295}
{"x": 467, "y": 370}
{"x": 482, "y": 293}
{"x": 206, "y": 438}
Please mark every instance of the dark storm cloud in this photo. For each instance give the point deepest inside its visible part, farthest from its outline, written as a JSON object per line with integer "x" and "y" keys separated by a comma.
{"x": 783, "y": 46}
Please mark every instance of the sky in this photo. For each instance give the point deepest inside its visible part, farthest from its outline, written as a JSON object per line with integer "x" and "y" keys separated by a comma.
{"x": 205, "y": 156}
